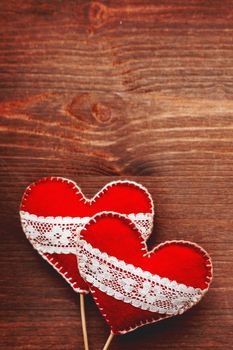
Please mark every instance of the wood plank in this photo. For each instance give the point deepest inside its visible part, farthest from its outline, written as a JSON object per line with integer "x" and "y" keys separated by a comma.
{"x": 103, "y": 90}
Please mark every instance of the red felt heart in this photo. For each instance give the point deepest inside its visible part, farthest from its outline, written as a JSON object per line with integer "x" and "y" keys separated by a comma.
{"x": 53, "y": 210}
{"x": 132, "y": 286}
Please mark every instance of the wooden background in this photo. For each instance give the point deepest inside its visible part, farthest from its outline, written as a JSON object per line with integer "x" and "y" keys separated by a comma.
{"x": 97, "y": 91}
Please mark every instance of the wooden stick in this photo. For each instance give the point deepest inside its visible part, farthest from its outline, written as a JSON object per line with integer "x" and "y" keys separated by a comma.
{"x": 83, "y": 319}
{"x": 108, "y": 342}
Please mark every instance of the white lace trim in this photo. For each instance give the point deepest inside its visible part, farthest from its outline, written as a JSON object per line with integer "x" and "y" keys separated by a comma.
{"x": 133, "y": 285}
{"x": 59, "y": 234}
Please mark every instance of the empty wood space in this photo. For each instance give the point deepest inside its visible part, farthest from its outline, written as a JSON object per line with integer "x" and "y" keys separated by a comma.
{"x": 103, "y": 90}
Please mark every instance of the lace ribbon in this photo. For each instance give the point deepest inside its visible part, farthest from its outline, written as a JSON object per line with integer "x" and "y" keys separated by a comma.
{"x": 133, "y": 285}
{"x": 59, "y": 234}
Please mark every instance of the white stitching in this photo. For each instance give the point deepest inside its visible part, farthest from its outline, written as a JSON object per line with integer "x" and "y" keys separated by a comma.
{"x": 132, "y": 285}
{"x": 64, "y": 274}
{"x": 79, "y": 191}
{"x": 60, "y": 234}
{"x": 208, "y": 281}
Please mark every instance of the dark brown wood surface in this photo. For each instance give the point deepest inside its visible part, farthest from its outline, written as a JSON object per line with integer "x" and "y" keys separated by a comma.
{"x": 97, "y": 91}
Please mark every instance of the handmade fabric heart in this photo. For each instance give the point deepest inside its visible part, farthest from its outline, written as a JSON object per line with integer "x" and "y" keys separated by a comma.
{"x": 54, "y": 210}
{"x": 132, "y": 286}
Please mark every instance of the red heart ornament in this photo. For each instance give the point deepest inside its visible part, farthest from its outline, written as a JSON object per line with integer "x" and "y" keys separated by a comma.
{"x": 54, "y": 210}
{"x": 133, "y": 287}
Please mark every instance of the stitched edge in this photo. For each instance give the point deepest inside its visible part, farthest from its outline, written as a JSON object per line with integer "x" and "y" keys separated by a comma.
{"x": 59, "y": 268}
{"x": 79, "y": 192}
{"x": 209, "y": 266}
{"x": 59, "y": 248}
{"x": 137, "y": 273}
{"x": 82, "y": 197}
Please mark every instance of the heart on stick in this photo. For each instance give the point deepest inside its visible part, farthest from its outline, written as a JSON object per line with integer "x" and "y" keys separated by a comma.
{"x": 54, "y": 210}
{"x": 132, "y": 286}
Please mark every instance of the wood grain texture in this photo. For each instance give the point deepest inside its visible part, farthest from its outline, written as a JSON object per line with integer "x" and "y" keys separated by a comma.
{"x": 96, "y": 91}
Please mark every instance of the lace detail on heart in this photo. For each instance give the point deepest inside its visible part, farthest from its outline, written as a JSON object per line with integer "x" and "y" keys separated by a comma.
{"x": 59, "y": 234}
{"x": 143, "y": 222}
{"x": 133, "y": 285}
